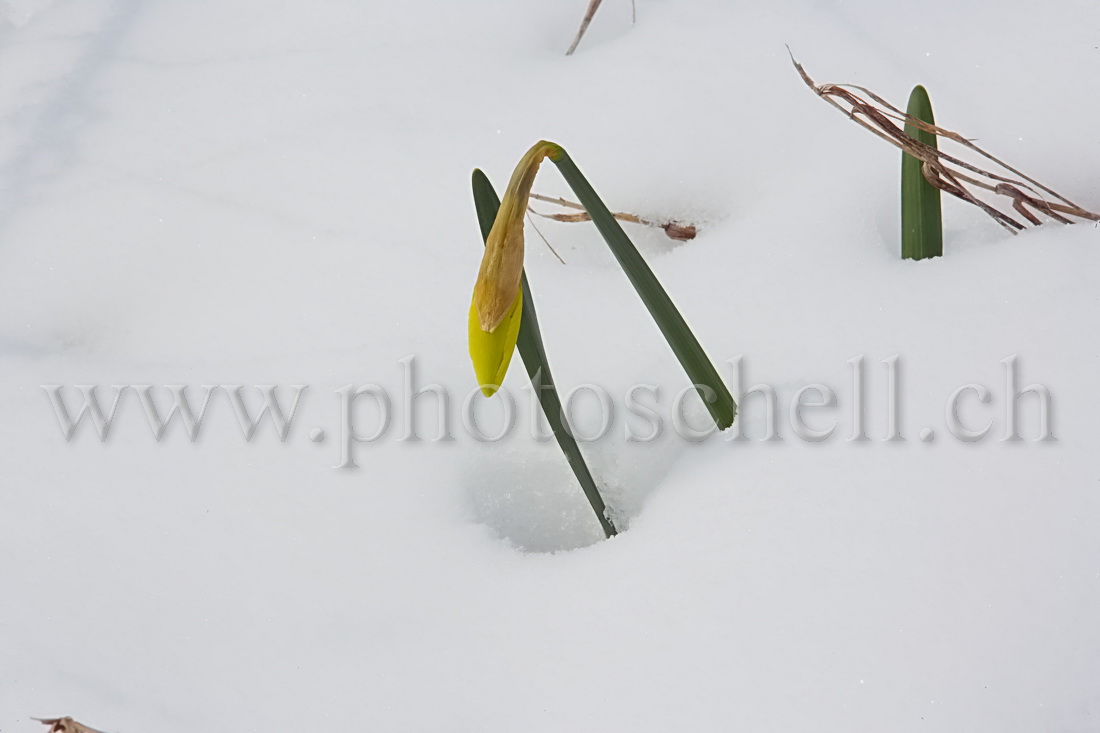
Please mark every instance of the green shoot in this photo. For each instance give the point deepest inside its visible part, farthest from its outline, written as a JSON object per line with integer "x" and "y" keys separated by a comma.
{"x": 921, "y": 224}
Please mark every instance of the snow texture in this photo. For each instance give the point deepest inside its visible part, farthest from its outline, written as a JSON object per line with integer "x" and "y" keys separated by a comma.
{"x": 254, "y": 192}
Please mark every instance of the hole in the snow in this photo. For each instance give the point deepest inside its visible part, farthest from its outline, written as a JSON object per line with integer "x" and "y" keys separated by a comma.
{"x": 529, "y": 496}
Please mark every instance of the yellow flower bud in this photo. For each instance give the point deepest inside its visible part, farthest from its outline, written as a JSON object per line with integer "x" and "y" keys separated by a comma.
{"x": 492, "y": 351}
{"x": 498, "y": 298}
{"x": 502, "y": 264}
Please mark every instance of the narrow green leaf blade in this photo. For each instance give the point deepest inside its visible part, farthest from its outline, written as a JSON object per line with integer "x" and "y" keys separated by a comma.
{"x": 533, "y": 353}
{"x": 921, "y": 222}
{"x": 698, "y": 366}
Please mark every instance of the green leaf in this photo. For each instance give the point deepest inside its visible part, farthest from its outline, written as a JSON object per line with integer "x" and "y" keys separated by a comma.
{"x": 698, "y": 366}
{"x": 533, "y": 353}
{"x": 921, "y": 223}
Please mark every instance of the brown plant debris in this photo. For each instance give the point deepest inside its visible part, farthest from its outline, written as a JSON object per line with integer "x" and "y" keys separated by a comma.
{"x": 677, "y": 230}
{"x": 946, "y": 172}
{"x": 593, "y": 6}
{"x": 65, "y": 725}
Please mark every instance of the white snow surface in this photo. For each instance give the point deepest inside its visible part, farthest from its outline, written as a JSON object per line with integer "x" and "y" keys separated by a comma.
{"x": 247, "y": 192}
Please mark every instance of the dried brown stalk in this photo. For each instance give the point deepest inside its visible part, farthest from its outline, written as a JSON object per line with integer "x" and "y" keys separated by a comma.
{"x": 65, "y": 725}
{"x": 944, "y": 171}
{"x": 593, "y": 6}
{"x": 674, "y": 229}
{"x": 591, "y": 11}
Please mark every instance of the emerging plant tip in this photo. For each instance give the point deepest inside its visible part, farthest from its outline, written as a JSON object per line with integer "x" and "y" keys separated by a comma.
{"x": 502, "y": 264}
{"x": 921, "y": 221}
{"x": 491, "y": 351}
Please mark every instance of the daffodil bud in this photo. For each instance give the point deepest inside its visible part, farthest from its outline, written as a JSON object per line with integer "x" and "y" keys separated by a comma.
{"x": 502, "y": 264}
{"x": 498, "y": 299}
{"x": 491, "y": 351}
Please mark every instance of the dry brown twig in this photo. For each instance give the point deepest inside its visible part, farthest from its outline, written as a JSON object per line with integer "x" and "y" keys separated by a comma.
{"x": 944, "y": 171}
{"x": 679, "y": 231}
{"x": 593, "y": 5}
{"x": 65, "y": 725}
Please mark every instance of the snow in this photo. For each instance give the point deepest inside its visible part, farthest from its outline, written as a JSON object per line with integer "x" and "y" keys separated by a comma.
{"x": 246, "y": 192}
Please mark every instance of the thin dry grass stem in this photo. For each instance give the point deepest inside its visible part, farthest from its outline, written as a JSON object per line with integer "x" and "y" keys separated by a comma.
{"x": 679, "y": 231}
{"x": 946, "y": 172}
{"x": 593, "y": 6}
{"x": 543, "y": 238}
